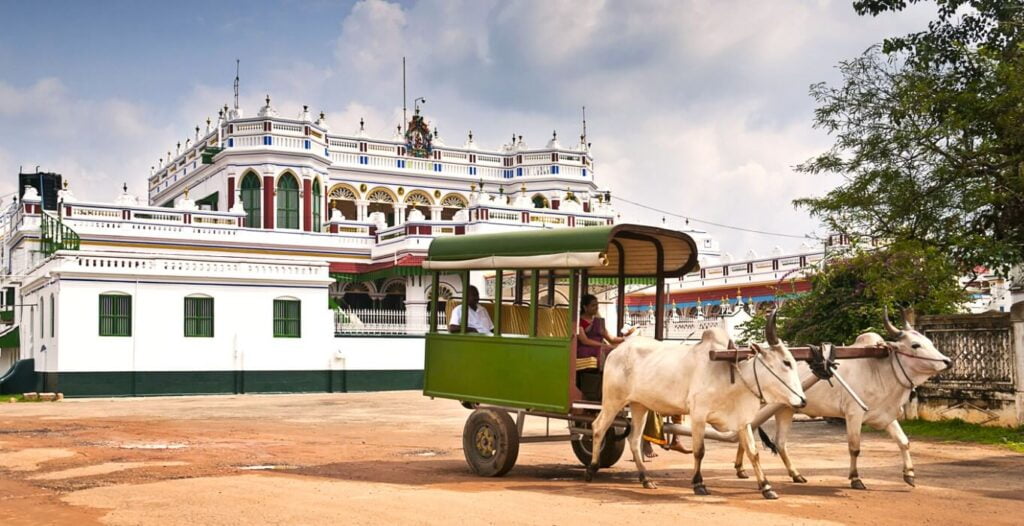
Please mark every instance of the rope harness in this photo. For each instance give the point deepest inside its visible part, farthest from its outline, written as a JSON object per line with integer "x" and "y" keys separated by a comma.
{"x": 896, "y": 361}
{"x": 757, "y": 379}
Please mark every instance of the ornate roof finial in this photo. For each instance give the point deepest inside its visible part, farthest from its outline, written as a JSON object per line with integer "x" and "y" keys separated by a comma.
{"x": 197, "y": 131}
{"x": 523, "y": 188}
{"x": 186, "y": 192}
{"x": 268, "y": 99}
{"x": 124, "y": 188}
{"x": 66, "y": 181}
{"x": 322, "y": 115}
{"x": 362, "y": 124}
{"x": 178, "y": 148}
{"x": 470, "y": 135}
{"x": 435, "y": 132}
{"x": 554, "y": 134}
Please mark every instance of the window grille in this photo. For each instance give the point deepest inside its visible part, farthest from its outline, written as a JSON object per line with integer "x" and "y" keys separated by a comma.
{"x": 115, "y": 315}
{"x": 287, "y": 319}
{"x": 199, "y": 317}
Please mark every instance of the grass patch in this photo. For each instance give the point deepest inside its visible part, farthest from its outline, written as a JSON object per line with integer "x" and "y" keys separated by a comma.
{"x": 960, "y": 431}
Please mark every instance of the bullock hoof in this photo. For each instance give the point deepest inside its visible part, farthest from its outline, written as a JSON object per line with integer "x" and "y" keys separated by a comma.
{"x": 857, "y": 484}
{"x": 741, "y": 474}
{"x": 799, "y": 479}
{"x": 909, "y": 479}
{"x": 588, "y": 475}
{"x": 701, "y": 489}
{"x": 649, "y": 484}
{"x": 769, "y": 494}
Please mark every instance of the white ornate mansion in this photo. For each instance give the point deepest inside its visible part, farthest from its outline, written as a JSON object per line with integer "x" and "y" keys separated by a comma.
{"x": 263, "y": 244}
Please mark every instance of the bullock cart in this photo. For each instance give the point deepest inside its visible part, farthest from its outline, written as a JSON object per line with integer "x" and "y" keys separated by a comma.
{"x": 528, "y": 366}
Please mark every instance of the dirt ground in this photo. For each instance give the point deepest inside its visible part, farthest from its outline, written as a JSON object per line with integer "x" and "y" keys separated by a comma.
{"x": 372, "y": 458}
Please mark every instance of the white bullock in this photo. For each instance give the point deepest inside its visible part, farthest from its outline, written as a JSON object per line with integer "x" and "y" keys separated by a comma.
{"x": 883, "y": 383}
{"x": 673, "y": 379}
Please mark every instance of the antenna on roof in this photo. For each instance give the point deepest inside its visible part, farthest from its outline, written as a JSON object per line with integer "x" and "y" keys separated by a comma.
{"x": 584, "y": 123}
{"x": 237, "y": 67}
{"x": 405, "y": 116}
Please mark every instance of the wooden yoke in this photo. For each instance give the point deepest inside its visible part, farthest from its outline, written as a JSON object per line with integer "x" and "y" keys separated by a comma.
{"x": 804, "y": 353}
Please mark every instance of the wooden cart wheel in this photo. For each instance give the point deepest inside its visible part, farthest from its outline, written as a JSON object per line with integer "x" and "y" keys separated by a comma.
{"x": 490, "y": 442}
{"x": 611, "y": 450}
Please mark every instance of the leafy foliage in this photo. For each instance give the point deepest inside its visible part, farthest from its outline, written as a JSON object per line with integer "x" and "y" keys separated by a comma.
{"x": 847, "y": 297}
{"x": 928, "y": 134}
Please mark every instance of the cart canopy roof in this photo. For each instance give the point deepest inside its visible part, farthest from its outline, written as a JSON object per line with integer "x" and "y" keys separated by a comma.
{"x": 598, "y": 249}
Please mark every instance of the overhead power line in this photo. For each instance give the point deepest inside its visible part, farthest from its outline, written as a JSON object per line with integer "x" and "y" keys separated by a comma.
{"x": 713, "y": 223}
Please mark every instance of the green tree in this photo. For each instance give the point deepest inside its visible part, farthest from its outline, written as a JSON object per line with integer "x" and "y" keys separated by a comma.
{"x": 929, "y": 136}
{"x": 847, "y": 297}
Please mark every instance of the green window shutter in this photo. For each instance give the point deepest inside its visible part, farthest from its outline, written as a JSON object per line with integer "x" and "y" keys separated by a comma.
{"x": 199, "y": 317}
{"x": 251, "y": 200}
{"x": 287, "y": 319}
{"x": 115, "y": 315}
{"x": 287, "y": 202}
{"x": 317, "y": 202}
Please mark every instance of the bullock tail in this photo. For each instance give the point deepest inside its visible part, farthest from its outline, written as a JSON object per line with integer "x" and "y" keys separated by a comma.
{"x": 767, "y": 441}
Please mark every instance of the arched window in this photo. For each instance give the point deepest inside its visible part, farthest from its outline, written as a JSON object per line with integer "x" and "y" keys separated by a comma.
{"x": 42, "y": 316}
{"x": 539, "y": 201}
{"x": 52, "y": 316}
{"x": 452, "y": 203}
{"x": 317, "y": 201}
{"x": 287, "y": 202}
{"x": 343, "y": 198}
{"x": 251, "y": 200}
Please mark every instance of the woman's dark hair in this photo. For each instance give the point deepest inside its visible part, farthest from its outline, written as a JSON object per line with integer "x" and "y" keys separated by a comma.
{"x": 585, "y": 300}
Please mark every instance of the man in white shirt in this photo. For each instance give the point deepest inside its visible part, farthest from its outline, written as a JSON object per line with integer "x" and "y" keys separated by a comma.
{"x": 477, "y": 322}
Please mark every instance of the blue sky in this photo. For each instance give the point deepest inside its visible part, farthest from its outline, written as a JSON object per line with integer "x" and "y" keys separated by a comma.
{"x": 698, "y": 107}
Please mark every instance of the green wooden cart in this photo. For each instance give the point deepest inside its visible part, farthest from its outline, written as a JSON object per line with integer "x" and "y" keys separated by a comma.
{"x": 528, "y": 366}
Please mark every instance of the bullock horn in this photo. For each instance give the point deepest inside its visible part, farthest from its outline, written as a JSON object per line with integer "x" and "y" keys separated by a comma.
{"x": 889, "y": 327}
{"x": 770, "y": 330}
{"x": 908, "y": 315}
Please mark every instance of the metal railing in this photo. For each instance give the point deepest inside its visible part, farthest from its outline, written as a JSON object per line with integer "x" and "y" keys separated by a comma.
{"x": 55, "y": 235}
{"x": 383, "y": 322}
{"x": 676, "y": 327}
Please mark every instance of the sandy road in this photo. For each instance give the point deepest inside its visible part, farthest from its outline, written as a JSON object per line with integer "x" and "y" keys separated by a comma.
{"x": 374, "y": 458}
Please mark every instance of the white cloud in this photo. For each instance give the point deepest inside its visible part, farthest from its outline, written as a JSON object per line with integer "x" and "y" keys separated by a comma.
{"x": 697, "y": 107}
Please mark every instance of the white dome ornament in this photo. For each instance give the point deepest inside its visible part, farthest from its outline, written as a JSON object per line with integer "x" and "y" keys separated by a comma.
{"x": 126, "y": 199}
{"x": 239, "y": 206}
{"x": 30, "y": 194}
{"x": 522, "y": 200}
{"x": 416, "y": 216}
{"x": 361, "y": 132}
{"x": 322, "y": 121}
{"x": 462, "y": 216}
{"x": 268, "y": 111}
{"x": 470, "y": 143}
{"x": 336, "y": 215}
{"x": 65, "y": 195}
{"x": 553, "y": 144}
{"x": 304, "y": 114}
{"x": 185, "y": 203}
{"x": 379, "y": 220}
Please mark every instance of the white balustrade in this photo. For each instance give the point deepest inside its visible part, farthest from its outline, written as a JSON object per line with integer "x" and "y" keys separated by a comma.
{"x": 382, "y": 322}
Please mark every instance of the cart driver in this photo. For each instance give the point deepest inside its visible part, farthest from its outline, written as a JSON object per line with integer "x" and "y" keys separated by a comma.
{"x": 478, "y": 322}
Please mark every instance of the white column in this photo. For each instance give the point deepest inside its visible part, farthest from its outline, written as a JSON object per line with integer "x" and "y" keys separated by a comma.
{"x": 361, "y": 207}
{"x": 1017, "y": 344}
{"x": 399, "y": 213}
{"x": 435, "y": 212}
{"x": 416, "y": 304}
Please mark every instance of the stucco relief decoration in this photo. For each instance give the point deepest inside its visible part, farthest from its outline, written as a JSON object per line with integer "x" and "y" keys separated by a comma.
{"x": 380, "y": 196}
{"x": 418, "y": 138}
